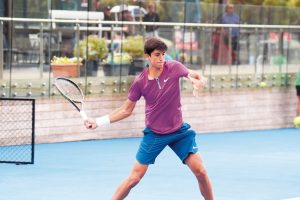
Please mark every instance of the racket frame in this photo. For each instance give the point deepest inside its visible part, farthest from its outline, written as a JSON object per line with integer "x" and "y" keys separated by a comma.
{"x": 73, "y": 102}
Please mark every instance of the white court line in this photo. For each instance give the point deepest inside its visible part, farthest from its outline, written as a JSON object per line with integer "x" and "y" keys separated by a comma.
{"x": 295, "y": 198}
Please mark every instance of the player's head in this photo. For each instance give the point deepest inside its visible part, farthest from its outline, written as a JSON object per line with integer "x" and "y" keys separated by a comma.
{"x": 152, "y": 44}
{"x": 155, "y": 51}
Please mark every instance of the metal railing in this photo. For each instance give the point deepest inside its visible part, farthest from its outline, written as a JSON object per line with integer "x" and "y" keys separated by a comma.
{"x": 257, "y": 64}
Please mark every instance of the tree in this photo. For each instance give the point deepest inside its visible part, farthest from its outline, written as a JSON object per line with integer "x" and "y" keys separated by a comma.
{"x": 293, "y": 3}
{"x": 275, "y": 2}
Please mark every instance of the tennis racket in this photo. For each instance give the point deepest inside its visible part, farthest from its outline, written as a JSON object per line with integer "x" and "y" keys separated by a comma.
{"x": 72, "y": 93}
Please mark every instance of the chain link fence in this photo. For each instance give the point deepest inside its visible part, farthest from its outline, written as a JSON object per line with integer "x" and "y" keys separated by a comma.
{"x": 17, "y": 130}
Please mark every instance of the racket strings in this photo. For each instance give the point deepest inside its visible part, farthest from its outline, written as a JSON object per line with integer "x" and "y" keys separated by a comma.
{"x": 69, "y": 90}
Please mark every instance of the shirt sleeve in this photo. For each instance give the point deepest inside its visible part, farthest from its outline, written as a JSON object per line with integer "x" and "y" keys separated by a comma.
{"x": 180, "y": 70}
{"x": 134, "y": 93}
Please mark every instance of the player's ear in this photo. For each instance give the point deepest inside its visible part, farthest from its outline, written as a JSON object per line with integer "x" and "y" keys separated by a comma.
{"x": 147, "y": 56}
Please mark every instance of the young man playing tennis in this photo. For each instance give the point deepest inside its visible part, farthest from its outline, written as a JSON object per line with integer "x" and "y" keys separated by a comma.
{"x": 159, "y": 85}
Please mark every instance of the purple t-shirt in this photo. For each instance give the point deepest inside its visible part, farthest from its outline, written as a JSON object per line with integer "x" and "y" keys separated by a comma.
{"x": 162, "y": 96}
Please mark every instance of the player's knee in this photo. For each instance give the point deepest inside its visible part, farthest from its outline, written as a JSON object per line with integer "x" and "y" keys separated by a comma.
{"x": 201, "y": 174}
{"x": 133, "y": 180}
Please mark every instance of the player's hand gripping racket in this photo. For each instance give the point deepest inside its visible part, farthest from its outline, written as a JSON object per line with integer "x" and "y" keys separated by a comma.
{"x": 72, "y": 93}
{"x": 198, "y": 85}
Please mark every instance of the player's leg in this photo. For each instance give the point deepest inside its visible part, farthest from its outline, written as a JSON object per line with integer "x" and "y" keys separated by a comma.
{"x": 149, "y": 149}
{"x": 194, "y": 162}
{"x": 186, "y": 149}
{"x": 136, "y": 174}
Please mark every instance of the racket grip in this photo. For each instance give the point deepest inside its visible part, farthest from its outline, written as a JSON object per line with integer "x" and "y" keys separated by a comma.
{"x": 83, "y": 115}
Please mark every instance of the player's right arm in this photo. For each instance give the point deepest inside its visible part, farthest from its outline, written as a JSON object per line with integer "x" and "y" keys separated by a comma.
{"x": 123, "y": 112}
{"x": 120, "y": 113}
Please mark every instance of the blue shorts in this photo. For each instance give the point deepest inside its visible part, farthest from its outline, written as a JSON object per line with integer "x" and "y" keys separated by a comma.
{"x": 182, "y": 142}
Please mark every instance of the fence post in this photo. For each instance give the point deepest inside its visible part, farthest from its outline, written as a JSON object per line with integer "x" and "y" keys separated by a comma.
{"x": 41, "y": 53}
{"x": 77, "y": 40}
{"x": 1, "y": 50}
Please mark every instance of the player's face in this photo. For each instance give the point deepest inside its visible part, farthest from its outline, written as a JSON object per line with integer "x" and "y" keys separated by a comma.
{"x": 156, "y": 59}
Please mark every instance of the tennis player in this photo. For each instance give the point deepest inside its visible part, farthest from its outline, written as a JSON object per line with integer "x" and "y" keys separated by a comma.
{"x": 159, "y": 85}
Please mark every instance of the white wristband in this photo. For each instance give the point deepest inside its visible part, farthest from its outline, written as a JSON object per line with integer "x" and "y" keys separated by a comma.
{"x": 104, "y": 120}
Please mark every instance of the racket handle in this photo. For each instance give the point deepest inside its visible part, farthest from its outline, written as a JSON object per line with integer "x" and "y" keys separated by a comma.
{"x": 83, "y": 115}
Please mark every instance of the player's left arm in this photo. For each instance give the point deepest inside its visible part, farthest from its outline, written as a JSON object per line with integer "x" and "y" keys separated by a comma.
{"x": 198, "y": 80}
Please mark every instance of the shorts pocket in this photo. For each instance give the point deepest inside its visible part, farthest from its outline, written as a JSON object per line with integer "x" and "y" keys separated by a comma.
{"x": 148, "y": 142}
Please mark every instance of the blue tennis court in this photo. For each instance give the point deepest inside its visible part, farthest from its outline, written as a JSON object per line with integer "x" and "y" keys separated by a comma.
{"x": 251, "y": 165}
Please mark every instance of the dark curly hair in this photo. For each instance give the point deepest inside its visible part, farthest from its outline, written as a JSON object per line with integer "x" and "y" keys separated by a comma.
{"x": 152, "y": 44}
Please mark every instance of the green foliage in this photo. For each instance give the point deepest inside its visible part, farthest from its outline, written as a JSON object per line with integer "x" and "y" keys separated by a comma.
{"x": 279, "y": 60}
{"x": 275, "y": 2}
{"x": 254, "y": 2}
{"x": 92, "y": 48}
{"x": 65, "y": 60}
{"x": 119, "y": 58}
{"x": 293, "y": 3}
{"x": 134, "y": 46}
{"x": 167, "y": 14}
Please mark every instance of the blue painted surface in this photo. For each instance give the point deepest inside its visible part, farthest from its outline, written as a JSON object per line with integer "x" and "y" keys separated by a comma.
{"x": 253, "y": 165}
